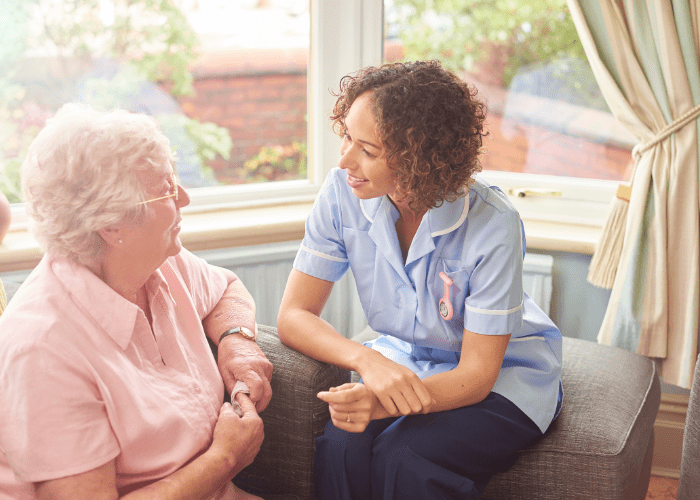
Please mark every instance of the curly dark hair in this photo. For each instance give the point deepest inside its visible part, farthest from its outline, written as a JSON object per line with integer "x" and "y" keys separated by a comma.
{"x": 430, "y": 123}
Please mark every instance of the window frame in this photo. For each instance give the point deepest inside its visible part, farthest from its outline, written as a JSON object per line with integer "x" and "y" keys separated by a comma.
{"x": 577, "y": 202}
{"x": 333, "y": 52}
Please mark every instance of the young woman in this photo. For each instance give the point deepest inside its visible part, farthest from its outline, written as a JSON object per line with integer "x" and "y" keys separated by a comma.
{"x": 466, "y": 369}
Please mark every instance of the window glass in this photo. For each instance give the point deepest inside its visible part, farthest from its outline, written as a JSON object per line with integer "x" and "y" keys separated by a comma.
{"x": 226, "y": 79}
{"x": 546, "y": 114}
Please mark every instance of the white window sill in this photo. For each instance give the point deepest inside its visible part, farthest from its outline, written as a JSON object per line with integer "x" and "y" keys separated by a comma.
{"x": 556, "y": 236}
{"x": 254, "y": 226}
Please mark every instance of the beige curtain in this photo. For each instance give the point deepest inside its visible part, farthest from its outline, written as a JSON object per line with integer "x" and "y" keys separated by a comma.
{"x": 3, "y": 298}
{"x": 644, "y": 54}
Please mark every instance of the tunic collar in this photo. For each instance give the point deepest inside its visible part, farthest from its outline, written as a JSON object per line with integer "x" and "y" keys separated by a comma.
{"x": 442, "y": 220}
{"x": 382, "y": 214}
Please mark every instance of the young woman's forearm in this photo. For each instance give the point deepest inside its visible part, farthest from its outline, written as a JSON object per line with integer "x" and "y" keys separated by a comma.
{"x": 307, "y": 333}
{"x": 472, "y": 379}
{"x": 449, "y": 390}
{"x": 456, "y": 389}
{"x": 300, "y": 327}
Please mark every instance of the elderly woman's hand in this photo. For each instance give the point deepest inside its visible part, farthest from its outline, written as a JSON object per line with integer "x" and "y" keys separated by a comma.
{"x": 242, "y": 359}
{"x": 239, "y": 358}
{"x": 238, "y": 439}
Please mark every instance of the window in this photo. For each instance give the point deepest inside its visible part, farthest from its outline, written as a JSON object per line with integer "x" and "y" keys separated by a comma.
{"x": 343, "y": 37}
{"x": 226, "y": 80}
{"x": 552, "y": 140}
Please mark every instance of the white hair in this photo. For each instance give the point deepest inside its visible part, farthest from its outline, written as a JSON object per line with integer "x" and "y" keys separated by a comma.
{"x": 80, "y": 176}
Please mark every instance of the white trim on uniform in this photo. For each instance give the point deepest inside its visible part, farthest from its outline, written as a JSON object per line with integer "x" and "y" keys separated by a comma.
{"x": 323, "y": 255}
{"x": 524, "y": 339}
{"x": 462, "y": 218}
{"x": 491, "y": 312}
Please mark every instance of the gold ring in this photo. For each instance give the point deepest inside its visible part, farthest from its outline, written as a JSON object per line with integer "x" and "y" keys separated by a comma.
{"x": 348, "y": 420}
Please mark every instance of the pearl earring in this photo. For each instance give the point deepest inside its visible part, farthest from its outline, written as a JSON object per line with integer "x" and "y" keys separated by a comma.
{"x": 120, "y": 241}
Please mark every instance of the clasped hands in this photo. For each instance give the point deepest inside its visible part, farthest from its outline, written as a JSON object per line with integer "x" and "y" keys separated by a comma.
{"x": 242, "y": 359}
{"x": 389, "y": 390}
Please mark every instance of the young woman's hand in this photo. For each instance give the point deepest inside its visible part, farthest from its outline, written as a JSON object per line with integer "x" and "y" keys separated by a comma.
{"x": 397, "y": 388}
{"x": 352, "y": 406}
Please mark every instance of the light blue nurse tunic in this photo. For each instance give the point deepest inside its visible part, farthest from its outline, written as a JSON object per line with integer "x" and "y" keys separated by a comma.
{"x": 478, "y": 241}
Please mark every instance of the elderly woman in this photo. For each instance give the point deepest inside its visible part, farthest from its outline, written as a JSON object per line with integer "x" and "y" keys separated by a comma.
{"x": 109, "y": 388}
{"x": 466, "y": 371}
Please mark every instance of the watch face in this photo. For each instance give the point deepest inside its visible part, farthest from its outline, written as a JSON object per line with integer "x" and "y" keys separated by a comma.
{"x": 246, "y": 332}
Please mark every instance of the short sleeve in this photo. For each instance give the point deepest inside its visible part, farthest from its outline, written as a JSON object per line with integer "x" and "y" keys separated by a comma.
{"x": 494, "y": 304}
{"x": 322, "y": 253}
{"x": 205, "y": 283}
{"x": 55, "y": 423}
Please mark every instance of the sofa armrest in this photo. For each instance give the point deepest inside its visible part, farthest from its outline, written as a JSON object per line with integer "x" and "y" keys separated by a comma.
{"x": 293, "y": 420}
{"x": 689, "y": 483}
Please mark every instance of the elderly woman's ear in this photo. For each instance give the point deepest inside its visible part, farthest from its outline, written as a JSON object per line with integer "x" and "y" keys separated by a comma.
{"x": 112, "y": 235}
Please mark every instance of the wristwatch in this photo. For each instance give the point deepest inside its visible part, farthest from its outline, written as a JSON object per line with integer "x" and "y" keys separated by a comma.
{"x": 245, "y": 333}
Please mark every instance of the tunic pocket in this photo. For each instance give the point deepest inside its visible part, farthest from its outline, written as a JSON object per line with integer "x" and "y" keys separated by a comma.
{"x": 458, "y": 291}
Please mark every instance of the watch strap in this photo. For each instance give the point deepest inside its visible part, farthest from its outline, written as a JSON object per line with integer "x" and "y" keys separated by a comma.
{"x": 242, "y": 330}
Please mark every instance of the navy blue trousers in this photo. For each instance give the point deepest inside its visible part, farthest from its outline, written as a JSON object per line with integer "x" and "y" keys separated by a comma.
{"x": 442, "y": 455}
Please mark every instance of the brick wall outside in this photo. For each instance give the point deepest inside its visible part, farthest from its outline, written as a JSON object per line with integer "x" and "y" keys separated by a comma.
{"x": 259, "y": 96}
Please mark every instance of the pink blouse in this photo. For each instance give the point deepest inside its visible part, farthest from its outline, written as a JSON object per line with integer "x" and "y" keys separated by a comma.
{"x": 84, "y": 380}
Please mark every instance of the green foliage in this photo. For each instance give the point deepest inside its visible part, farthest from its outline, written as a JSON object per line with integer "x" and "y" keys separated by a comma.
{"x": 16, "y": 132}
{"x": 210, "y": 141}
{"x": 464, "y": 33}
{"x": 277, "y": 163}
{"x": 9, "y": 182}
{"x": 49, "y": 54}
{"x": 171, "y": 42}
{"x": 14, "y": 139}
{"x": 152, "y": 35}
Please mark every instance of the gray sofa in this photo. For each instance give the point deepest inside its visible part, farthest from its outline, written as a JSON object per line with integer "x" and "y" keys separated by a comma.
{"x": 600, "y": 447}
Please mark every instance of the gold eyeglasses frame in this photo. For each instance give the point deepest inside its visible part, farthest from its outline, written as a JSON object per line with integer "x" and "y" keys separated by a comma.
{"x": 173, "y": 180}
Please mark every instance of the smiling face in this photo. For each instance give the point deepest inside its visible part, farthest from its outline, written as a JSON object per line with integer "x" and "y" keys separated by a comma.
{"x": 154, "y": 237}
{"x": 362, "y": 153}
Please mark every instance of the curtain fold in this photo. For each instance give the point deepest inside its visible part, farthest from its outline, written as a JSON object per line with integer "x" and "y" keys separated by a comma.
{"x": 644, "y": 54}
{"x": 3, "y": 298}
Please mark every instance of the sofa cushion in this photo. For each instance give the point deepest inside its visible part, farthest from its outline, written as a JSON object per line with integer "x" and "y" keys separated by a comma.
{"x": 600, "y": 445}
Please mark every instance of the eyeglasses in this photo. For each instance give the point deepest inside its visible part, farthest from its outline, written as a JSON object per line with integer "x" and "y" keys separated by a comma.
{"x": 172, "y": 191}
